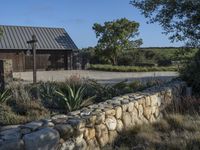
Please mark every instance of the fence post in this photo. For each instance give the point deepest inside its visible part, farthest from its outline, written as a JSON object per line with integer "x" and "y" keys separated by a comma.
{"x": 6, "y": 73}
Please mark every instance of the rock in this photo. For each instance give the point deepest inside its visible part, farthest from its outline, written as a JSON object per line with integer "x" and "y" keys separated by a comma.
{"x": 124, "y": 107}
{"x": 120, "y": 126}
{"x": 118, "y": 112}
{"x": 153, "y": 109}
{"x": 111, "y": 123}
{"x": 117, "y": 98}
{"x": 109, "y": 112}
{"x": 48, "y": 124}
{"x": 74, "y": 113}
{"x": 140, "y": 111}
{"x": 125, "y": 101}
{"x": 90, "y": 120}
{"x": 154, "y": 100}
{"x": 33, "y": 125}
{"x": 44, "y": 139}
{"x": 130, "y": 107}
{"x": 94, "y": 106}
{"x": 86, "y": 112}
{"x": 100, "y": 118}
{"x": 147, "y": 112}
{"x": 9, "y": 127}
{"x": 89, "y": 133}
{"x": 126, "y": 119}
{"x": 76, "y": 123}
{"x": 93, "y": 144}
{"x": 116, "y": 103}
{"x": 16, "y": 144}
{"x": 102, "y": 134}
{"x": 59, "y": 119}
{"x": 25, "y": 131}
{"x": 12, "y": 134}
{"x": 157, "y": 113}
{"x": 65, "y": 130}
{"x": 136, "y": 104}
{"x": 112, "y": 136}
{"x": 152, "y": 119}
{"x": 68, "y": 145}
{"x": 80, "y": 143}
{"x": 148, "y": 101}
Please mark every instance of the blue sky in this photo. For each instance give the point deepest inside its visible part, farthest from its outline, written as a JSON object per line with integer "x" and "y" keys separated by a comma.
{"x": 78, "y": 16}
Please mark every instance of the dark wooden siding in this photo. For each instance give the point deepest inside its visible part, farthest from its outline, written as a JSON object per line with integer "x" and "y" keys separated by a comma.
{"x": 45, "y": 60}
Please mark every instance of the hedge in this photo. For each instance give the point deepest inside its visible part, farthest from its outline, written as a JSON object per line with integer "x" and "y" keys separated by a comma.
{"x": 130, "y": 68}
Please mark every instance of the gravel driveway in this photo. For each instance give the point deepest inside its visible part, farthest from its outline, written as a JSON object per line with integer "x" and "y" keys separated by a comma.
{"x": 100, "y": 76}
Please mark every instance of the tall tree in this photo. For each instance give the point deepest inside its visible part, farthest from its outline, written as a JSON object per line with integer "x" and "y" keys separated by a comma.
{"x": 179, "y": 18}
{"x": 116, "y": 36}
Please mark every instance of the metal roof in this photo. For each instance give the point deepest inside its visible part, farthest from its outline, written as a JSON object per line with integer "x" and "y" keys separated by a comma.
{"x": 16, "y": 37}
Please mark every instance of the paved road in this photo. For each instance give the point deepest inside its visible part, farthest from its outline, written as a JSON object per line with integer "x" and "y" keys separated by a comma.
{"x": 100, "y": 76}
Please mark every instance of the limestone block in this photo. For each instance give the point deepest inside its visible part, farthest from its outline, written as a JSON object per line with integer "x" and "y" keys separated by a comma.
{"x": 100, "y": 118}
{"x": 45, "y": 139}
{"x": 112, "y": 136}
{"x": 68, "y": 145}
{"x": 118, "y": 111}
{"x": 80, "y": 143}
{"x": 124, "y": 107}
{"x": 148, "y": 101}
{"x": 147, "y": 112}
{"x": 140, "y": 111}
{"x": 65, "y": 130}
{"x": 130, "y": 107}
{"x": 102, "y": 134}
{"x": 109, "y": 112}
{"x": 136, "y": 104}
{"x": 126, "y": 119}
{"x": 93, "y": 144}
{"x": 120, "y": 126}
{"x": 16, "y": 144}
{"x": 33, "y": 125}
{"x": 111, "y": 123}
{"x": 89, "y": 133}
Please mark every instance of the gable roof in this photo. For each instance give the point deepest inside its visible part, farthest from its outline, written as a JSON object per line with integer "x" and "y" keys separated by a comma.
{"x": 16, "y": 37}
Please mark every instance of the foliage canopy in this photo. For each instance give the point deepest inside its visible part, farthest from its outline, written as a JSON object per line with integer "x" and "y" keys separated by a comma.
{"x": 116, "y": 36}
{"x": 178, "y": 17}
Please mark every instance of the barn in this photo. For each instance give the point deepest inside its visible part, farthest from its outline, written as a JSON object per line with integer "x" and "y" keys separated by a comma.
{"x": 55, "y": 49}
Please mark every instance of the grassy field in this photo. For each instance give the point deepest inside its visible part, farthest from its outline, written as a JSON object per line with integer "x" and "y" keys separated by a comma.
{"x": 174, "y": 132}
{"x": 131, "y": 68}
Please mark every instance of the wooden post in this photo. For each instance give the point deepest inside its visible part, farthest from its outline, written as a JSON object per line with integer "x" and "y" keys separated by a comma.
{"x": 33, "y": 43}
{"x": 34, "y": 64}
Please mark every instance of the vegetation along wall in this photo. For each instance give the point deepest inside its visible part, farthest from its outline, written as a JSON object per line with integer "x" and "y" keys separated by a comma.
{"x": 95, "y": 126}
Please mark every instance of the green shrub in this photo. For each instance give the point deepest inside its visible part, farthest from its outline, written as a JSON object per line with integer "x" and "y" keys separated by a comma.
{"x": 191, "y": 73}
{"x": 130, "y": 68}
{"x": 4, "y": 96}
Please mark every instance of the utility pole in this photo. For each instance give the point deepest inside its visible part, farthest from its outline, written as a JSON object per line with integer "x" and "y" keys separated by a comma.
{"x": 33, "y": 44}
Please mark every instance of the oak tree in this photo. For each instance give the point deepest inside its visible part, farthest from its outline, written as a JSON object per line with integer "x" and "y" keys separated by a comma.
{"x": 179, "y": 18}
{"x": 116, "y": 36}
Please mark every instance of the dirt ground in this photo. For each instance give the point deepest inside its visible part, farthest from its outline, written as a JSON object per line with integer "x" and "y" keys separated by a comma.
{"x": 100, "y": 76}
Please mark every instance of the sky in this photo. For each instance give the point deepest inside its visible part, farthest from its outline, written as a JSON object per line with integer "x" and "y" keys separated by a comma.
{"x": 78, "y": 17}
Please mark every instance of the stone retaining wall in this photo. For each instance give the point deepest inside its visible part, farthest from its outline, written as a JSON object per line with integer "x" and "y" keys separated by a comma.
{"x": 93, "y": 127}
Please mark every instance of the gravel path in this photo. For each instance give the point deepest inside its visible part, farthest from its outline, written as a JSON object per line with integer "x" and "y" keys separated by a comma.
{"x": 100, "y": 76}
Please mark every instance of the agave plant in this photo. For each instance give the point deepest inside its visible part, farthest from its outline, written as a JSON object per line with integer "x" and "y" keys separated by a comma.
{"x": 73, "y": 97}
{"x": 47, "y": 90}
{"x": 4, "y": 96}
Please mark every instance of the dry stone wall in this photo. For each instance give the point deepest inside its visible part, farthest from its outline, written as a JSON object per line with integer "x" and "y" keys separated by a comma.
{"x": 94, "y": 126}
